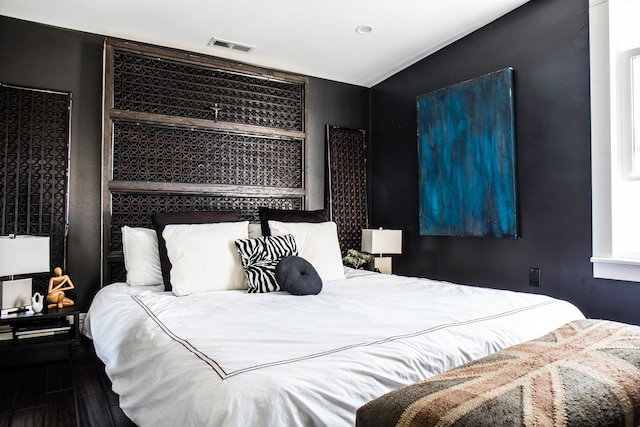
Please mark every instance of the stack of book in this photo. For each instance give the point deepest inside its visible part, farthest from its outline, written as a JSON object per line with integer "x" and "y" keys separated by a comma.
{"x": 42, "y": 329}
{"x": 5, "y": 332}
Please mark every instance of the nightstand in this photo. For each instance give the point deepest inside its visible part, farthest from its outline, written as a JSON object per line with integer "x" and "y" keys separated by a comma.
{"x": 39, "y": 337}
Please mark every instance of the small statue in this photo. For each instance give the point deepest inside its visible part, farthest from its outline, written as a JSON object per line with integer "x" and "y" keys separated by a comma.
{"x": 57, "y": 285}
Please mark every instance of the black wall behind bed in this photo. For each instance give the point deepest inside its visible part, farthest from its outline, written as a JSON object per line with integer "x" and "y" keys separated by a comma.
{"x": 547, "y": 44}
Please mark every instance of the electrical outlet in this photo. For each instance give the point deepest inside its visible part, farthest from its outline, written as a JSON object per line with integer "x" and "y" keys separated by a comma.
{"x": 534, "y": 276}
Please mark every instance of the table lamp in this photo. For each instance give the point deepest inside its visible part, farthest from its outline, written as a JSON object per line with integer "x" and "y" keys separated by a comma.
{"x": 21, "y": 255}
{"x": 382, "y": 241}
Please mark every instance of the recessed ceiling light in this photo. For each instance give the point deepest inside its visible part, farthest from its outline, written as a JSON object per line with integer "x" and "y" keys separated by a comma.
{"x": 364, "y": 29}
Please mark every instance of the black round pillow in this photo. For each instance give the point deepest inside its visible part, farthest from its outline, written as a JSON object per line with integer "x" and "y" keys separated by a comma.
{"x": 297, "y": 276}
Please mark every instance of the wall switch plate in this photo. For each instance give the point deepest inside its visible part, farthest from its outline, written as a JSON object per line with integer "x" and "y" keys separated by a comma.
{"x": 534, "y": 276}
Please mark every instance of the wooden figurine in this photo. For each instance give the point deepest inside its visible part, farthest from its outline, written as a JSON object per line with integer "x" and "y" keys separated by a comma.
{"x": 57, "y": 285}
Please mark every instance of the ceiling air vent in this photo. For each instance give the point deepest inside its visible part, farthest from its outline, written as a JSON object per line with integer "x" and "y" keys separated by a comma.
{"x": 225, "y": 44}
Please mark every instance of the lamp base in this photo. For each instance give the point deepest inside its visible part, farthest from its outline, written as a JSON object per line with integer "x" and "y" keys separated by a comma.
{"x": 15, "y": 294}
{"x": 382, "y": 264}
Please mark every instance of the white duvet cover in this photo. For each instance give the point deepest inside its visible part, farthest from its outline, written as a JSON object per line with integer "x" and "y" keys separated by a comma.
{"x": 229, "y": 358}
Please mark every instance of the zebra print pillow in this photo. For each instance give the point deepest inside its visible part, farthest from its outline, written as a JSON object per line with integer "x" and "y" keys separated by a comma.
{"x": 259, "y": 258}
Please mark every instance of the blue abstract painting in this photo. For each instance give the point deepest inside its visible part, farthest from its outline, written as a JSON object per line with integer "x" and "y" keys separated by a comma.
{"x": 466, "y": 155}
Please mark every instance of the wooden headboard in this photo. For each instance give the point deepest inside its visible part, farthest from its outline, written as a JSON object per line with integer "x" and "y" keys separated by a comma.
{"x": 186, "y": 132}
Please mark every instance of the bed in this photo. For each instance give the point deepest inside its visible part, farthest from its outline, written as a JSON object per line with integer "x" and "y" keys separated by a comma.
{"x": 195, "y": 333}
{"x": 229, "y": 357}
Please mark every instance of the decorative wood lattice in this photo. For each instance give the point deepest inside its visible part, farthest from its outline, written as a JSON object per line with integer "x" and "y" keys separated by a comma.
{"x": 135, "y": 210}
{"x": 346, "y": 151}
{"x": 148, "y": 152}
{"x": 161, "y": 86}
{"x": 186, "y": 132}
{"x": 116, "y": 271}
{"x": 34, "y": 148}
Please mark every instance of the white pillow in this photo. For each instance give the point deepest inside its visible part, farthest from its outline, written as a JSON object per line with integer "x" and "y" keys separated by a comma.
{"x": 204, "y": 257}
{"x": 141, "y": 259}
{"x": 317, "y": 243}
{"x": 255, "y": 230}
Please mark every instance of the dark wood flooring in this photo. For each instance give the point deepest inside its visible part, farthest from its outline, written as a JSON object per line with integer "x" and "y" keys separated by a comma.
{"x": 71, "y": 392}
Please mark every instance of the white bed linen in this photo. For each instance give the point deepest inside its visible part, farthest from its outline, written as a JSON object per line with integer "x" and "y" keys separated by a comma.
{"x": 229, "y": 358}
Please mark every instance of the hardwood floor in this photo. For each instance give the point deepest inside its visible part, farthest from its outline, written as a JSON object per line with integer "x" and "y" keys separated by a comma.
{"x": 72, "y": 392}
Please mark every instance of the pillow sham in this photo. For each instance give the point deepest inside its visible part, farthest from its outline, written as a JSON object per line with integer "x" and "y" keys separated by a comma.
{"x": 297, "y": 276}
{"x": 161, "y": 220}
{"x": 317, "y": 243}
{"x": 259, "y": 258}
{"x": 255, "y": 230}
{"x": 203, "y": 256}
{"x": 141, "y": 260}
{"x": 289, "y": 215}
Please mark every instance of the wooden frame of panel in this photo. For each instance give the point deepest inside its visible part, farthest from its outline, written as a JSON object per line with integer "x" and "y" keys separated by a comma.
{"x": 170, "y": 195}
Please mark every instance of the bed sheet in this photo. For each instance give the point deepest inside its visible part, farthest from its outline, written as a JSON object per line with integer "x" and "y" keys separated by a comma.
{"x": 229, "y": 358}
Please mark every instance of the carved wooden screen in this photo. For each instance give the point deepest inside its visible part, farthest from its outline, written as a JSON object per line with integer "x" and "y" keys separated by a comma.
{"x": 347, "y": 165}
{"x": 184, "y": 132}
{"x": 34, "y": 153}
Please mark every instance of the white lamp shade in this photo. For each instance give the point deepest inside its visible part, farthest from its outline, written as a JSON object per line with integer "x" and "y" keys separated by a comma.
{"x": 382, "y": 241}
{"x": 24, "y": 255}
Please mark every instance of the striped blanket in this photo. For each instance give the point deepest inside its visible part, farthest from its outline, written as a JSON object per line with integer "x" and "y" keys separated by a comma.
{"x": 585, "y": 373}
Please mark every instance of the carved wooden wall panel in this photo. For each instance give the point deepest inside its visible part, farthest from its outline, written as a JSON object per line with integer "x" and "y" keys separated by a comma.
{"x": 186, "y": 132}
{"x": 34, "y": 159}
{"x": 135, "y": 209}
{"x": 347, "y": 164}
{"x": 148, "y": 152}
{"x": 171, "y": 87}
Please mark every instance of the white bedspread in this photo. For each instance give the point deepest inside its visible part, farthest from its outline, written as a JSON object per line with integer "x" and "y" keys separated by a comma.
{"x": 229, "y": 358}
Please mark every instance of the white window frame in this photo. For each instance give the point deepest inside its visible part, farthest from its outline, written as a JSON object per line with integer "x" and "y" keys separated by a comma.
{"x": 611, "y": 150}
{"x": 630, "y": 90}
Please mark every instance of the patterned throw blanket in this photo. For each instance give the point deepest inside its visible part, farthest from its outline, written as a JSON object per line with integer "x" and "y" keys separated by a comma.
{"x": 585, "y": 373}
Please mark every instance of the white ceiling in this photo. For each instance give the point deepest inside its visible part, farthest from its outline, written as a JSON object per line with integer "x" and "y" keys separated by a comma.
{"x": 311, "y": 37}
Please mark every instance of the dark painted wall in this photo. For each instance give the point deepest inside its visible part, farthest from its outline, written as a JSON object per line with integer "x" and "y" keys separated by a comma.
{"x": 547, "y": 44}
{"x": 48, "y": 58}
{"x": 336, "y": 104}
{"x": 38, "y": 56}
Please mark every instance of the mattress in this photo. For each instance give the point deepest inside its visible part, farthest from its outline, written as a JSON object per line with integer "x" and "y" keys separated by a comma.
{"x": 230, "y": 358}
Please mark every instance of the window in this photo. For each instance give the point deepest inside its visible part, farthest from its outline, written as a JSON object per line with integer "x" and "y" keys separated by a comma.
{"x": 615, "y": 138}
{"x": 631, "y": 64}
